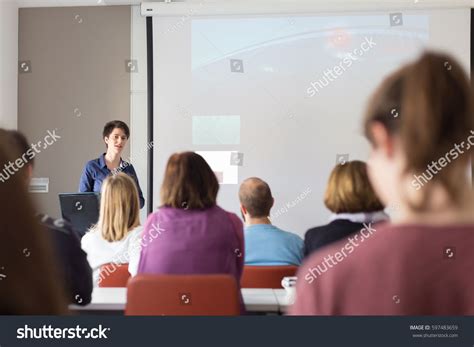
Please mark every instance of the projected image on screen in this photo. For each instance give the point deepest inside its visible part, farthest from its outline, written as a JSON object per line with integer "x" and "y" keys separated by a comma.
{"x": 281, "y": 96}
{"x": 274, "y": 69}
{"x": 216, "y": 130}
{"x": 300, "y": 85}
{"x": 221, "y": 162}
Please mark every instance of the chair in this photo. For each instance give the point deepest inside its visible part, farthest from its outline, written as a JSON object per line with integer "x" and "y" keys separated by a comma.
{"x": 183, "y": 295}
{"x": 266, "y": 276}
{"x": 113, "y": 275}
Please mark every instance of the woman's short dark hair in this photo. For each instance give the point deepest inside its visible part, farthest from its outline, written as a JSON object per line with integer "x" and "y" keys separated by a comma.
{"x": 110, "y": 126}
{"x": 189, "y": 182}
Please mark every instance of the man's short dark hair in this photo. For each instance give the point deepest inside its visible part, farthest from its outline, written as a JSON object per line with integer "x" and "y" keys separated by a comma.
{"x": 110, "y": 126}
{"x": 255, "y": 195}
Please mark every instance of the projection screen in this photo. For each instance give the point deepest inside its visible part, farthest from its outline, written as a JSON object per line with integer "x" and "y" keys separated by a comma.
{"x": 282, "y": 97}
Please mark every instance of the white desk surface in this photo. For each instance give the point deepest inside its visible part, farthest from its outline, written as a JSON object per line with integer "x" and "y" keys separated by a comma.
{"x": 284, "y": 302}
{"x": 114, "y": 299}
{"x": 260, "y": 300}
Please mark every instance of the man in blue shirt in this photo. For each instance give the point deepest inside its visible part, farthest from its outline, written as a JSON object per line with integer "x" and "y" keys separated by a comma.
{"x": 265, "y": 244}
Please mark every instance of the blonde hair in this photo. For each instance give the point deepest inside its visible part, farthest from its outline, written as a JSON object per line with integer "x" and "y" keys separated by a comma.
{"x": 349, "y": 190}
{"x": 119, "y": 207}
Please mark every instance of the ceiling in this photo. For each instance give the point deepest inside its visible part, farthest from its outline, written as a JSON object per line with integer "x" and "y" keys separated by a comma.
{"x": 401, "y": 3}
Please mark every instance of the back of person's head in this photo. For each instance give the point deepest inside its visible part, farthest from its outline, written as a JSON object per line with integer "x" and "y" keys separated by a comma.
{"x": 189, "y": 182}
{"x": 422, "y": 111}
{"x": 119, "y": 207}
{"x": 349, "y": 190}
{"x": 24, "y": 156}
{"x": 255, "y": 195}
{"x": 29, "y": 282}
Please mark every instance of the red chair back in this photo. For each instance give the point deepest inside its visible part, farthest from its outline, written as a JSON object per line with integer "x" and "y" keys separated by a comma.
{"x": 183, "y": 295}
{"x": 113, "y": 275}
{"x": 266, "y": 276}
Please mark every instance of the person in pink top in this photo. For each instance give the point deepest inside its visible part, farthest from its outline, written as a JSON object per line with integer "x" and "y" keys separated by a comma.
{"x": 190, "y": 234}
{"x": 420, "y": 124}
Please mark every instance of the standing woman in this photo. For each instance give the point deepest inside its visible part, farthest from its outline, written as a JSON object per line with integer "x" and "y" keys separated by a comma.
{"x": 116, "y": 134}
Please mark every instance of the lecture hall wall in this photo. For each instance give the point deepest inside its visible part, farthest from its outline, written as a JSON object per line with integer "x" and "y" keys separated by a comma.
{"x": 8, "y": 64}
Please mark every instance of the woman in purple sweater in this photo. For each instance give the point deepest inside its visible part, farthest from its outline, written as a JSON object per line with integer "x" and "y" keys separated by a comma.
{"x": 190, "y": 234}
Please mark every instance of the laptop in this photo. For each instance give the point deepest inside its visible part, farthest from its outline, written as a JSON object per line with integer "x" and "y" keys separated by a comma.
{"x": 81, "y": 210}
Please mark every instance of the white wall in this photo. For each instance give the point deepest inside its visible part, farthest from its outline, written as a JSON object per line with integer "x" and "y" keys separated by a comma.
{"x": 8, "y": 64}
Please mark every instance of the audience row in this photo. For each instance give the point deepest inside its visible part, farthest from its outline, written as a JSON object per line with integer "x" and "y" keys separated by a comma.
{"x": 355, "y": 265}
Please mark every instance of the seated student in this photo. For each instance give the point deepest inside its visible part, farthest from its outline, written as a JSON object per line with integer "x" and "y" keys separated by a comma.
{"x": 422, "y": 263}
{"x": 28, "y": 275}
{"x": 114, "y": 238}
{"x": 75, "y": 270}
{"x": 265, "y": 244}
{"x": 190, "y": 234}
{"x": 353, "y": 202}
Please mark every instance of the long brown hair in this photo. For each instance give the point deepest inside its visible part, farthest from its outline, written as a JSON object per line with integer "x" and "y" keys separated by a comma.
{"x": 189, "y": 182}
{"x": 29, "y": 281}
{"x": 428, "y": 105}
{"x": 119, "y": 207}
